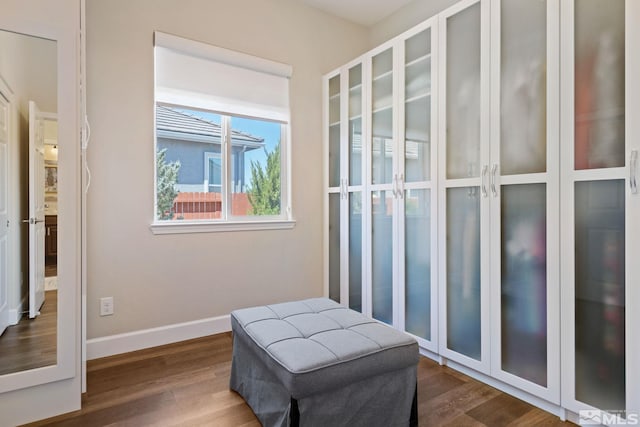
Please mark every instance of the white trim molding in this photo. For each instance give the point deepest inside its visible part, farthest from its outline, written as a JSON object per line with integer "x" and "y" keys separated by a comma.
{"x": 146, "y": 338}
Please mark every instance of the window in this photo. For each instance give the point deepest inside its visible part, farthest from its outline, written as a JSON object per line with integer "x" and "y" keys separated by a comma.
{"x": 222, "y": 127}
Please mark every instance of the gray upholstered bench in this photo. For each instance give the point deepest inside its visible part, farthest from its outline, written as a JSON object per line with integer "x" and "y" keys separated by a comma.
{"x": 317, "y": 363}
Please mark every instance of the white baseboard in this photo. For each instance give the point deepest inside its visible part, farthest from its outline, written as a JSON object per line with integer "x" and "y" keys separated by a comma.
{"x": 146, "y": 338}
{"x": 15, "y": 314}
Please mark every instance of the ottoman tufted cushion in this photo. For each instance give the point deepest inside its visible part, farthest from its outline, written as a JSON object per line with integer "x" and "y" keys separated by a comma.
{"x": 316, "y": 344}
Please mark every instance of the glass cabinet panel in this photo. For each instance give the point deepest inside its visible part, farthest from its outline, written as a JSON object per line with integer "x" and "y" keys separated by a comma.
{"x": 600, "y": 293}
{"x": 334, "y": 131}
{"x": 599, "y": 84}
{"x": 382, "y": 118}
{"x": 417, "y": 262}
{"x": 382, "y": 255}
{"x": 417, "y": 107}
{"x": 524, "y": 281}
{"x": 523, "y": 87}
{"x": 334, "y": 246}
{"x": 463, "y": 271}
{"x": 355, "y": 125}
{"x": 463, "y": 94}
{"x": 355, "y": 251}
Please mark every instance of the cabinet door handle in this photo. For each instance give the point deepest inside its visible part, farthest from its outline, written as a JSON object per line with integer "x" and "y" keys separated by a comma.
{"x": 401, "y": 186}
{"x": 483, "y": 184}
{"x": 633, "y": 172}
{"x": 395, "y": 186}
{"x": 494, "y": 169}
{"x": 48, "y": 231}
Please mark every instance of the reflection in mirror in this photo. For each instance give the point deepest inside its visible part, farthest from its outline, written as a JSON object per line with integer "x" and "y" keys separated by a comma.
{"x": 28, "y": 192}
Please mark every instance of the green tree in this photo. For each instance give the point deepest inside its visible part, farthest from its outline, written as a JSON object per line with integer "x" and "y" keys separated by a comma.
{"x": 167, "y": 174}
{"x": 264, "y": 190}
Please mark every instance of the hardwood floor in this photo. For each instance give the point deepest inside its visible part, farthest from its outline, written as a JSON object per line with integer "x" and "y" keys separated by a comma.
{"x": 187, "y": 384}
{"x": 32, "y": 342}
{"x": 51, "y": 270}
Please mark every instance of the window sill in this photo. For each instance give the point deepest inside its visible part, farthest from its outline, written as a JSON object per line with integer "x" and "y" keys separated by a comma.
{"x": 187, "y": 227}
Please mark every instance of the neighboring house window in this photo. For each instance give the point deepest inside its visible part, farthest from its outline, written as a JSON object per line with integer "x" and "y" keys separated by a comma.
{"x": 222, "y": 139}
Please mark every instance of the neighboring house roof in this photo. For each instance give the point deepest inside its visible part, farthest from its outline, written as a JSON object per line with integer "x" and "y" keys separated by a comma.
{"x": 174, "y": 123}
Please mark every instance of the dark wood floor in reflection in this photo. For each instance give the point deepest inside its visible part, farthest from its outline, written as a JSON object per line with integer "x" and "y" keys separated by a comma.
{"x": 50, "y": 270}
{"x": 187, "y": 384}
{"x": 32, "y": 342}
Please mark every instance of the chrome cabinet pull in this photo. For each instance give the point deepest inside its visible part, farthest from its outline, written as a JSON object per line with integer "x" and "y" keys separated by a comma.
{"x": 401, "y": 186}
{"x": 483, "y": 184}
{"x": 633, "y": 172}
{"x": 395, "y": 186}
{"x": 494, "y": 169}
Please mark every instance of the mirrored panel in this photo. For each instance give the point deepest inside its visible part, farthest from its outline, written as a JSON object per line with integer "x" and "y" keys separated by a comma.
{"x": 28, "y": 250}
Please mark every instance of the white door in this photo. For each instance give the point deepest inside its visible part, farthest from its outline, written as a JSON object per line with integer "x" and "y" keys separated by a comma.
{"x": 4, "y": 222}
{"x": 36, "y": 210}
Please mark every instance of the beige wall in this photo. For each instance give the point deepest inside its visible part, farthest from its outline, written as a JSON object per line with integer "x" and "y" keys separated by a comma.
{"x": 410, "y": 15}
{"x": 168, "y": 279}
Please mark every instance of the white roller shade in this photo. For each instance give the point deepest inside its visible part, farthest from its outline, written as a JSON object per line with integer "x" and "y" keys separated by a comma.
{"x": 199, "y": 75}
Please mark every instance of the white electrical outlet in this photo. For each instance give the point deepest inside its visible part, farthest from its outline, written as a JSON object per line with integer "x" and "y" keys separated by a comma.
{"x": 106, "y": 306}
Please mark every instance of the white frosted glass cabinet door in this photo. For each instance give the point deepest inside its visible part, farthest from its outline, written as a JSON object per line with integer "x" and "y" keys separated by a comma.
{"x": 599, "y": 143}
{"x": 601, "y": 339}
{"x": 417, "y": 264}
{"x": 523, "y": 189}
{"x": 463, "y": 200}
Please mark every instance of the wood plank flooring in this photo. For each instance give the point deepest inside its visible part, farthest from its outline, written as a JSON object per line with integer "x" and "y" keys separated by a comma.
{"x": 187, "y": 384}
{"x": 32, "y": 343}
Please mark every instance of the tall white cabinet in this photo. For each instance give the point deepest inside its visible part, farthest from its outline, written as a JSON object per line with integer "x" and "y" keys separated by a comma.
{"x": 601, "y": 206}
{"x": 381, "y": 173}
{"x": 494, "y": 212}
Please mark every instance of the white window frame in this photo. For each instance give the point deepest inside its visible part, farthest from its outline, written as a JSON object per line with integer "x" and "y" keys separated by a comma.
{"x": 191, "y": 100}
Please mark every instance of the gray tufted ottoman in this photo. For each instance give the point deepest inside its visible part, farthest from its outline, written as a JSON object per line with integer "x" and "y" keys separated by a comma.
{"x": 317, "y": 363}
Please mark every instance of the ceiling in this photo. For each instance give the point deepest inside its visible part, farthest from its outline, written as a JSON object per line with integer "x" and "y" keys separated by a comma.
{"x": 363, "y": 12}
